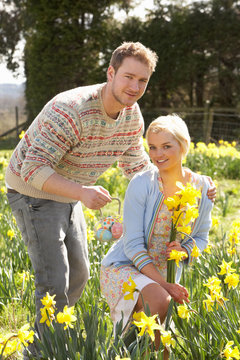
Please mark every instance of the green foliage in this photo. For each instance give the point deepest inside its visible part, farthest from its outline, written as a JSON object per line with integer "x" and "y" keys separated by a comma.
{"x": 204, "y": 336}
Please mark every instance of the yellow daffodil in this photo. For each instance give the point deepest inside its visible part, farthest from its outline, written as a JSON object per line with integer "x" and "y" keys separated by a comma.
{"x": 118, "y": 358}
{"x": 188, "y": 193}
{"x": 146, "y": 324}
{"x": 10, "y": 234}
{"x": 226, "y": 268}
{"x": 231, "y": 353}
{"x": 22, "y": 134}
{"x": 66, "y": 317}
{"x": 47, "y": 315}
{"x": 26, "y": 336}
{"x": 208, "y": 249}
{"x": 9, "y": 344}
{"x": 208, "y": 303}
{"x": 89, "y": 214}
{"x": 48, "y": 301}
{"x": 195, "y": 252}
{"x": 172, "y": 202}
{"x": 3, "y": 189}
{"x": 25, "y": 275}
{"x": 167, "y": 339}
{"x": 215, "y": 221}
{"x": 183, "y": 312}
{"x": 231, "y": 251}
{"x": 177, "y": 256}
{"x": 213, "y": 284}
{"x": 232, "y": 280}
{"x": 130, "y": 288}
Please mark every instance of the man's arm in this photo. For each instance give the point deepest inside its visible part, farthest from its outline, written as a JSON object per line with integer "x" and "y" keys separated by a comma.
{"x": 93, "y": 197}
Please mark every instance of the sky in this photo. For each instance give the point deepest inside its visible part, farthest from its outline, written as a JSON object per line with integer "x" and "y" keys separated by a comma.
{"x": 7, "y": 77}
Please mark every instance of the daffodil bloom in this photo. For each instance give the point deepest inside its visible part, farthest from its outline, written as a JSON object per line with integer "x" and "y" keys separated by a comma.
{"x": 118, "y": 358}
{"x": 166, "y": 339}
{"x": 195, "y": 252}
{"x": 219, "y": 298}
{"x": 26, "y": 336}
{"x": 9, "y": 344}
{"x": 47, "y": 315}
{"x": 226, "y": 268}
{"x": 22, "y": 134}
{"x": 48, "y": 301}
{"x": 208, "y": 303}
{"x": 3, "y": 189}
{"x": 172, "y": 202}
{"x": 89, "y": 214}
{"x": 183, "y": 312}
{"x": 177, "y": 256}
{"x": 66, "y": 317}
{"x": 231, "y": 353}
{"x": 215, "y": 221}
{"x": 213, "y": 284}
{"x": 231, "y": 251}
{"x": 131, "y": 288}
{"x": 208, "y": 249}
{"x": 25, "y": 275}
{"x": 188, "y": 194}
{"x": 146, "y": 323}
{"x": 10, "y": 234}
{"x": 232, "y": 280}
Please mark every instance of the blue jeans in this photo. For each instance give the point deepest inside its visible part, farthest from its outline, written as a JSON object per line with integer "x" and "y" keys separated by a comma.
{"x": 56, "y": 238}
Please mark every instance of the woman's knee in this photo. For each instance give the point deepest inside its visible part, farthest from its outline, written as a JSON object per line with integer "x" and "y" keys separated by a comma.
{"x": 157, "y": 299}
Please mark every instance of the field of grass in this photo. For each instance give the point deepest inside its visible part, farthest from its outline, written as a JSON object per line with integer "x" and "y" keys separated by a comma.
{"x": 210, "y": 329}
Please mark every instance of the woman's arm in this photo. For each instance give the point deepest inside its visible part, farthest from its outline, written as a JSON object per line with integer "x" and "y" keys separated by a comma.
{"x": 178, "y": 292}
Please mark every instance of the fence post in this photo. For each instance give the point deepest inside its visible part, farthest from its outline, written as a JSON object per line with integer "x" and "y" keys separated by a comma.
{"x": 17, "y": 123}
{"x": 209, "y": 126}
{"x": 206, "y": 118}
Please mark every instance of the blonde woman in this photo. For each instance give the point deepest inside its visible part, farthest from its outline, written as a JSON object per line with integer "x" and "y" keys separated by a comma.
{"x": 143, "y": 250}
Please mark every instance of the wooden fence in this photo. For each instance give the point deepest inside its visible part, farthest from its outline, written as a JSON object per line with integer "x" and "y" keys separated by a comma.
{"x": 205, "y": 124}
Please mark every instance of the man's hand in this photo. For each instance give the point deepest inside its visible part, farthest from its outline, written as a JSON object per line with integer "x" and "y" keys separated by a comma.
{"x": 94, "y": 197}
{"x": 212, "y": 191}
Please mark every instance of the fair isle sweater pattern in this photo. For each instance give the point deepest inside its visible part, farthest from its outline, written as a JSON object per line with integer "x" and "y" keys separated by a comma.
{"x": 74, "y": 137}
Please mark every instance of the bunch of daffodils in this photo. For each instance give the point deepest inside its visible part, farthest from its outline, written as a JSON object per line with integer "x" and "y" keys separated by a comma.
{"x": 48, "y": 313}
{"x": 184, "y": 208}
{"x": 234, "y": 236}
{"x": 11, "y": 343}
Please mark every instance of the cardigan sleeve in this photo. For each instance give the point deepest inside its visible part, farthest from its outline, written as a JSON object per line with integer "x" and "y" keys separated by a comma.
{"x": 202, "y": 225}
{"x": 133, "y": 217}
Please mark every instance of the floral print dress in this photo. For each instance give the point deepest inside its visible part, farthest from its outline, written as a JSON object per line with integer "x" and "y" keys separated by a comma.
{"x": 112, "y": 277}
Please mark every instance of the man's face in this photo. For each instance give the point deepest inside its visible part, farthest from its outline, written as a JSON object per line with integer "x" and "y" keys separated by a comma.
{"x": 129, "y": 83}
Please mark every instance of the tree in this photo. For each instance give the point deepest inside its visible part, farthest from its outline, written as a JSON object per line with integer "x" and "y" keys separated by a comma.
{"x": 10, "y": 33}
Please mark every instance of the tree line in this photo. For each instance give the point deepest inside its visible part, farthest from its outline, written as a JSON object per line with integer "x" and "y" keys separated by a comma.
{"x": 69, "y": 44}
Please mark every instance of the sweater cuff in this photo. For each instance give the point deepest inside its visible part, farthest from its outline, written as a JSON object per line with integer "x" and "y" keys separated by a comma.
{"x": 42, "y": 176}
{"x": 141, "y": 259}
{"x": 189, "y": 247}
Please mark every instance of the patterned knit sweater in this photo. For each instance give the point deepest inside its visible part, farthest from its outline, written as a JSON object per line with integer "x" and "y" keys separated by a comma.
{"x": 74, "y": 137}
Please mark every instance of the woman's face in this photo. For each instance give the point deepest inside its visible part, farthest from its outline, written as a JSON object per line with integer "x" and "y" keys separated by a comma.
{"x": 164, "y": 150}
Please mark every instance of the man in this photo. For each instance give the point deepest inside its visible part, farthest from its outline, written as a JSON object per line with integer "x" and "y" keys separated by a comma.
{"x": 78, "y": 135}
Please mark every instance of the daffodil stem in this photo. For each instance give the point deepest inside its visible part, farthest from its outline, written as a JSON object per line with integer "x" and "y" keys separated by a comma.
{"x": 171, "y": 263}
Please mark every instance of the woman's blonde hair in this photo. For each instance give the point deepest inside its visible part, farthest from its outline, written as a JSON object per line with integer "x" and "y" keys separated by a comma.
{"x": 176, "y": 126}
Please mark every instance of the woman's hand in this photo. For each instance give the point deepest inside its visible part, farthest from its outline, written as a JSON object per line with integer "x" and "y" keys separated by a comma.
{"x": 174, "y": 245}
{"x": 178, "y": 292}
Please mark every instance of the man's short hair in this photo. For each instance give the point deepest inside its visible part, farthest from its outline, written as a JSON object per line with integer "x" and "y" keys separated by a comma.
{"x": 136, "y": 50}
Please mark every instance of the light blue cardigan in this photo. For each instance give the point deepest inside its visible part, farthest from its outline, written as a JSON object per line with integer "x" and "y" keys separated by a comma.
{"x": 142, "y": 200}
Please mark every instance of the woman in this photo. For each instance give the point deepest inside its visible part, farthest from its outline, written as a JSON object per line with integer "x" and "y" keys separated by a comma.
{"x": 143, "y": 250}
